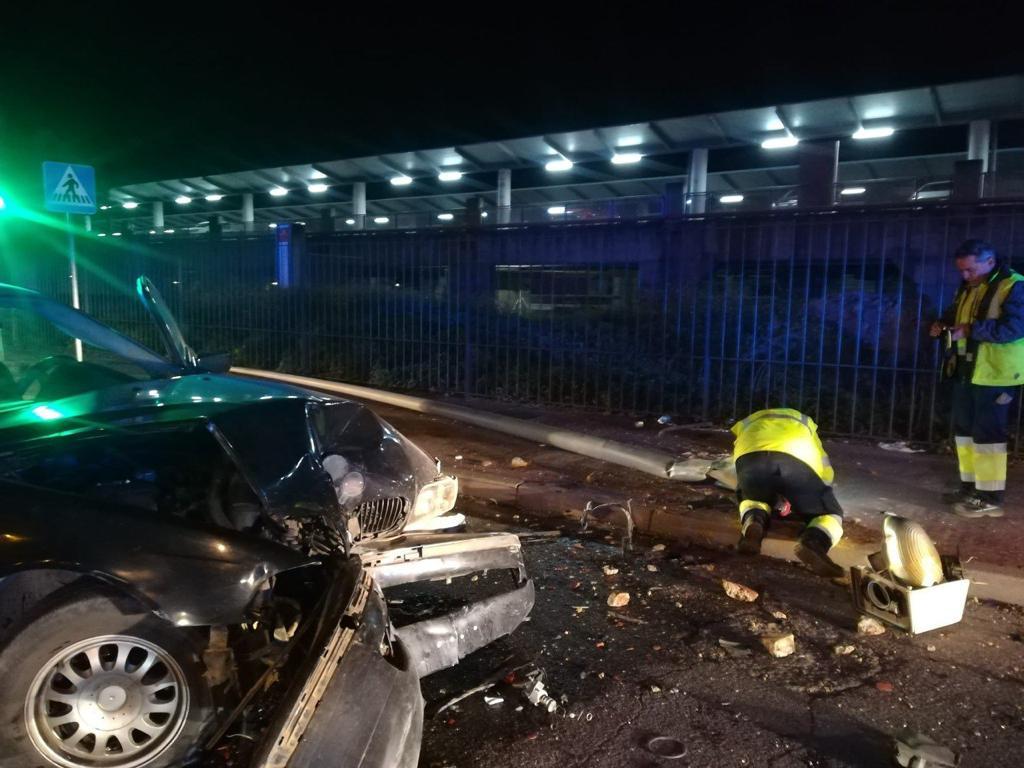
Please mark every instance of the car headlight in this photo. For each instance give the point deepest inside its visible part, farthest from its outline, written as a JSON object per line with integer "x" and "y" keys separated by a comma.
{"x": 436, "y": 498}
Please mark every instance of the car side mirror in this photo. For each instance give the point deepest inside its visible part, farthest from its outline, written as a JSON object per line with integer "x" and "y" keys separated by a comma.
{"x": 215, "y": 362}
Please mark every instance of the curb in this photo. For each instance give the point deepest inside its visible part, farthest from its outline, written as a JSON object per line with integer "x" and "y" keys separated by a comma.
{"x": 552, "y": 501}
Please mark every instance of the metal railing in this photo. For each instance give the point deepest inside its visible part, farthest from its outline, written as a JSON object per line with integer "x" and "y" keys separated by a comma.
{"x": 700, "y": 318}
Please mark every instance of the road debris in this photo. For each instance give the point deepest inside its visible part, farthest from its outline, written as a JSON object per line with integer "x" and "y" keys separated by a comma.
{"x": 869, "y": 626}
{"x": 658, "y": 548}
{"x": 899, "y": 447}
{"x": 537, "y": 694}
{"x": 779, "y": 646}
{"x": 623, "y": 617}
{"x": 618, "y": 599}
{"x": 739, "y": 591}
{"x": 494, "y": 701}
{"x": 843, "y": 650}
{"x": 884, "y": 686}
{"x": 592, "y": 510}
{"x": 609, "y": 570}
{"x": 733, "y": 648}
{"x": 518, "y": 462}
{"x": 666, "y": 747}
{"x": 779, "y": 615}
{"x": 652, "y": 568}
{"x": 919, "y": 751}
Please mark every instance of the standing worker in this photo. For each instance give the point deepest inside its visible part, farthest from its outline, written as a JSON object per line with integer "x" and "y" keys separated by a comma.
{"x": 984, "y": 330}
{"x": 779, "y": 459}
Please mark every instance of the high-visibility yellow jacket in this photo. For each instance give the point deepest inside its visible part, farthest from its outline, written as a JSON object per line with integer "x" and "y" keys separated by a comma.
{"x": 993, "y": 355}
{"x": 787, "y": 431}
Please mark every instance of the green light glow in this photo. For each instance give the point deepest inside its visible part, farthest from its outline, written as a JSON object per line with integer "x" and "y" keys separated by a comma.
{"x": 46, "y": 413}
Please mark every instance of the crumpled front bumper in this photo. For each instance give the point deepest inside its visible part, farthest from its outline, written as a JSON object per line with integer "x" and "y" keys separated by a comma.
{"x": 440, "y": 642}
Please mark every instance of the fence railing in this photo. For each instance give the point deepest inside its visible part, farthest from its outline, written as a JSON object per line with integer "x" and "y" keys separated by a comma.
{"x": 705, "y": 319}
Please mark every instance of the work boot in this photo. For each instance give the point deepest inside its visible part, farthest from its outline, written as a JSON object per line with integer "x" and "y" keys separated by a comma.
{"x": 977, "y": 507}
{"x": 750, "y": 541}
{"x": 753, "y": 526}
{"x": 965, "y": 492}
{"x": 812, "y": 550}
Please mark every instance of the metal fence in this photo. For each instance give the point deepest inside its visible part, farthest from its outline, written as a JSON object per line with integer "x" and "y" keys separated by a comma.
{"x": 705, "y": 319}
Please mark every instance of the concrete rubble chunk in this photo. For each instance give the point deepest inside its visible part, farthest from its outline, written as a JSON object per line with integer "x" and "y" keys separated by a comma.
{"x": 739, "y": 591}
{"x": 658, "y": 548}
{"x": 610, "y": 570}
{"x": 869, "y": 626}
{"x": 779, "y": 615}
{"x": 779, "y": 646}
{"x": 843, "y": 650}
{"x": 518, "y": 462}
{"x": 618, "y": 599}
{"x": 652, "y": 568}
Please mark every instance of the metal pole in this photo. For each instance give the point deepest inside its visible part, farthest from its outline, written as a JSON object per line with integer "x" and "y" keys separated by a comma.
{"x": 74, "y": 278}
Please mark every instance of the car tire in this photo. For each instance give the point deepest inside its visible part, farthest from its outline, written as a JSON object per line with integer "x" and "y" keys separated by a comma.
{"x": 92, "y": 671}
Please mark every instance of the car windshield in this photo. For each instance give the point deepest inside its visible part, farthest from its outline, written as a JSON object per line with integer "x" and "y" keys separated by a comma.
{"x": 38, "y": 356}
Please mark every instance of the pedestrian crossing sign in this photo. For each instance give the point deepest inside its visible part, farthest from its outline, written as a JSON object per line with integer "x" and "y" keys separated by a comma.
{"x": 69, "y": 188}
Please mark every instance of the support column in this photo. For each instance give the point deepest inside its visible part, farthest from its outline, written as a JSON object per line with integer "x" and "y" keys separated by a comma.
{"x": 818, "y": 173}
{"x": 359, "y": 204}
{"x": 504, "y": 196}
{"x": 158, "y": 215}
{"x": 248, "y": 215}
{"x": 977, "y": 142}
{"x": 697, "y": 181}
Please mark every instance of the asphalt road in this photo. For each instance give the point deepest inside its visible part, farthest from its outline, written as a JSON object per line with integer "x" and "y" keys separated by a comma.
{"x": 662, "y": 670}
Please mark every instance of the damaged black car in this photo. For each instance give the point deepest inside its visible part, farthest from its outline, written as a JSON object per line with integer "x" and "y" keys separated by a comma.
{"x": 192, "y": 563}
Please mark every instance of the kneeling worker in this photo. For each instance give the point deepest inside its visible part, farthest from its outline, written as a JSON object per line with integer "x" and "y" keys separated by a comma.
{"x": 779, "y": 458}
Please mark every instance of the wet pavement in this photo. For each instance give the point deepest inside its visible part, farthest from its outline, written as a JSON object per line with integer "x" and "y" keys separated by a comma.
{"x": 683, "y": 660}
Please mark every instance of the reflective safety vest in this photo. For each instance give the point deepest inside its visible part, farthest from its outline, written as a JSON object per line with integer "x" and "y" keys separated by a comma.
{"x": 786, "y": 431}
{"x": 994, "y": 365}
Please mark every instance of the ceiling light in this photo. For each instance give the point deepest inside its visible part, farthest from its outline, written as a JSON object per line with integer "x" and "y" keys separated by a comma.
{"x": 556, "y": 210}
{"x": 115, "y": 234}
{"x": 449, "y": 175}
{"x": 214, "y": 198}
{"x": 483, "y": 215}
{"x": 445, "y": 216}
{"x": 727, "y": 199}
{"x": 316, "y": 189}
{"x": 381, "y": 220}
{"x": 104, "y": 207}
{"x": 129, "y": 205}
{"x": 350, "y": 222}
{"x": 780, "y": 142}
{"x": 880, "y": 132}
{"x": 631, "y": 141}
{"x": 401, "y": 181}
{"x": 183, "y": 199}
{"x": 152, "y": 231}
{"x": 272, "y": 225}
{"x": 561, "y": 164}
{"x": 102, "y": 234}
{"x": 168, "y": 231}
{"x": 852, "y": 191}
{"x": 317, "y": 174}
{"x": 626, "y": 158}
{"x": 278, "y": 191}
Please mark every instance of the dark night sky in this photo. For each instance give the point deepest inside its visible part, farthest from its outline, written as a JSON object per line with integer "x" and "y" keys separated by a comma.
{"x": 193, "y": 91}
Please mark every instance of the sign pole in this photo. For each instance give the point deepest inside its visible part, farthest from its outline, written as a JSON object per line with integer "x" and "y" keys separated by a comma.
{"x": 73, "y": 262}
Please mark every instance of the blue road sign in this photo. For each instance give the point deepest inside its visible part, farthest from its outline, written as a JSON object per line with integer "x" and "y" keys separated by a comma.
{"x": 69, "y": 188}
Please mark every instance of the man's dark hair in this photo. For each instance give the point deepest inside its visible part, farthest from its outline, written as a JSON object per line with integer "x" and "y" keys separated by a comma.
{"x": 977, "y": 248}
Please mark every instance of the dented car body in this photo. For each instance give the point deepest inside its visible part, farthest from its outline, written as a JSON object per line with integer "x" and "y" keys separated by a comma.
{"x": 228, "y": 540}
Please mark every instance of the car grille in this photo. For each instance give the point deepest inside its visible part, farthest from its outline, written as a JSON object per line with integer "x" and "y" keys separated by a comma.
{"x": 381, "y": 515}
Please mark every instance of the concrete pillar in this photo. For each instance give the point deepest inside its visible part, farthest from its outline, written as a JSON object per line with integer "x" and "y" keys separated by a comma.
{"x": 697, "y": 181}
{"x": 818, "y": 172}
{"x": 504, "y": 196}
{"x": 977, "y": 142}
{"x": 359, "y": 203}
{"x": 158, "y": 215}
{"x": 248, "y": 215}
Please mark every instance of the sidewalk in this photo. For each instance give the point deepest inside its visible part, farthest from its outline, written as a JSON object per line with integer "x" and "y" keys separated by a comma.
{"x": 870, "y": 481}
